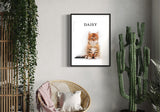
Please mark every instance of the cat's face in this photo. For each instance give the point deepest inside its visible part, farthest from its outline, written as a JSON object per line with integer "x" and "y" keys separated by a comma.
{"x": 93, "y": 36}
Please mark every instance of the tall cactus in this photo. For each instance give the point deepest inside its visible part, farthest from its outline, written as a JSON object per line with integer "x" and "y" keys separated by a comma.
{"x": 136, "y": 68}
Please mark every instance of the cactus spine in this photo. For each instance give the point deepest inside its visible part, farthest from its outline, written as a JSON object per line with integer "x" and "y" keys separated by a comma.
{"x": 136, "y": 68}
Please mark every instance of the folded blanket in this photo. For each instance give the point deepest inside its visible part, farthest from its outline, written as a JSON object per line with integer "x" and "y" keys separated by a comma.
{"x": 45, "y": 92}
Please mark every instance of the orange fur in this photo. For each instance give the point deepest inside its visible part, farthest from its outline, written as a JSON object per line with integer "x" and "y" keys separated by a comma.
{"x": 93, "y": 49}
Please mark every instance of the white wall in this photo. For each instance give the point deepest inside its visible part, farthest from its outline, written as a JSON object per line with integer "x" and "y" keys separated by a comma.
{"x": 156, "y": 29}
{"x": 53, "y": 50}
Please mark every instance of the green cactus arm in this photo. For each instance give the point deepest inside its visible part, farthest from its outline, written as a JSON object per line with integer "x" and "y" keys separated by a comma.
{"x": 140, "y": 30}
{"x": 121, "y": 44}
{"x": 139, "y": 80}
{"x": 146, "y": 64}
{"x": 120, "y": 76}
{"x": 141, "y": 63}
{"x": 132, "y": 81}
{"x": 121, "y": 86}
{"x": 139, "y": 72}
{"x": 123, "y": 60}
{"x": 122, "y": 53}
{"x": 128, "y": 33}
{"x": 140, "y": 34}
{"x": 137, "y": 60}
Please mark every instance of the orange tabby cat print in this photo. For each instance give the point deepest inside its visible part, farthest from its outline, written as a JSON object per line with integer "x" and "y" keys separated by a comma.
{"x": 93, "y": 49}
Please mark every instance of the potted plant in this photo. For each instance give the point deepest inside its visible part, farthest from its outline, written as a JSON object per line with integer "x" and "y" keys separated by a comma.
{"x": 154, "y": 87}
{"x": 136, "y": 67}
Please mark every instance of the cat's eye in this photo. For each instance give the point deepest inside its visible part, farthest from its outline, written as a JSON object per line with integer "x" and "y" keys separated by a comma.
{"x": 95, "y": 37}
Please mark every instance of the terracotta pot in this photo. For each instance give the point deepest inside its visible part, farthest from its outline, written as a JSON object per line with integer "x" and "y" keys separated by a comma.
{"x": 126, "y": 110}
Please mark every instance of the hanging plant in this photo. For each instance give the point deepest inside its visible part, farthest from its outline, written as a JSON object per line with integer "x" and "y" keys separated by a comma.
{"x": 23, "y": 22}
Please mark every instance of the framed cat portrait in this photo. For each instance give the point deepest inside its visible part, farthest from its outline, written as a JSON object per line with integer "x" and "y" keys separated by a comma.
{"x": 90, "y": 40}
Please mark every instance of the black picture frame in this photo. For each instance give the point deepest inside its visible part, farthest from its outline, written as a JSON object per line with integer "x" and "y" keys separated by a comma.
{"x": 71, "y": 38}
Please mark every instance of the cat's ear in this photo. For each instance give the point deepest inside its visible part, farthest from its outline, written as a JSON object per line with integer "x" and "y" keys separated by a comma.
{"x": 97, "y": 33}
{"x": 89, "y": 33}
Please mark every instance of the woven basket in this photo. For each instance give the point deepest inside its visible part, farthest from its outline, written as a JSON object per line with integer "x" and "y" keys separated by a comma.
{"x": 85, "y": 98}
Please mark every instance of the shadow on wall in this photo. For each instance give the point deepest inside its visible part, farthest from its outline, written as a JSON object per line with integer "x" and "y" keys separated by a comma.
{"x": 66, "y": 41}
